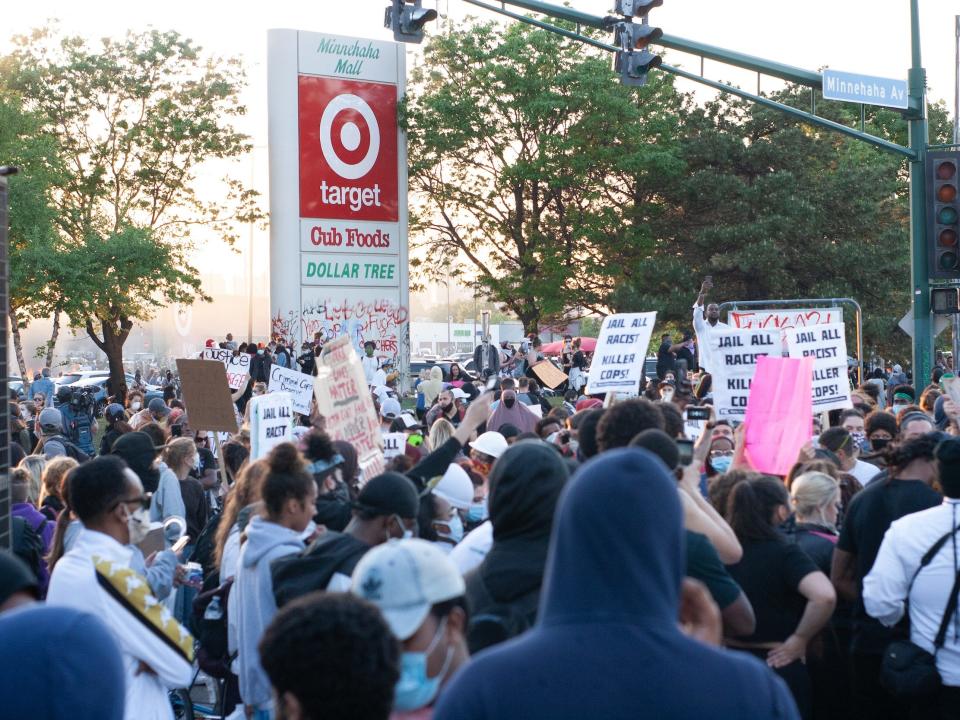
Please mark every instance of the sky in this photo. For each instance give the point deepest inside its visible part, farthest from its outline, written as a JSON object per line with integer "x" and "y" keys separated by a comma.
{"x": 862, "y": 36}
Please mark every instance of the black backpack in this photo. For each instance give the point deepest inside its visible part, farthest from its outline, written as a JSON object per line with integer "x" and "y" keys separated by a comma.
{"x": 209, "y": 628}
{"x": 492, "y": 622}
{"x": 203, "y": 551}
{"x": 28, "y": 544}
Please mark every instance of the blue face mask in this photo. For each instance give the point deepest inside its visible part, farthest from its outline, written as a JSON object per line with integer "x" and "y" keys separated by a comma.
{"x": 455, "y": 533}
{"x": 477, "y": 512}
{"x": 414, "y": 689}
{"x": 721, "y": 464}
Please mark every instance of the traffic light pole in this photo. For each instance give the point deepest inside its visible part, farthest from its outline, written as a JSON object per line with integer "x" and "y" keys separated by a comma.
{"x": 916, "y": 116}
{"x": 919, "y": 138}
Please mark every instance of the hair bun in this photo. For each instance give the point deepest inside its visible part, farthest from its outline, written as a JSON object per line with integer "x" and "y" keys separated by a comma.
{"x": 285, "y": 459}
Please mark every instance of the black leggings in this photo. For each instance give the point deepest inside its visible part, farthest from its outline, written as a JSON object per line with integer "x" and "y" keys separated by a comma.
{"x": 797, "y": 678}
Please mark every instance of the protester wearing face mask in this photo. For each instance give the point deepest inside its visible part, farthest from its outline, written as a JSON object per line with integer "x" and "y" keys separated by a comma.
{"x": 95, "y": 576}
{"x": 386, "y": 509}
{"x": 445, "y": 408}
{"x": 903, "y": 395}
{"x": 852, "y": 421}
{"x": 510, "y": 411}
{"x": 439, "y": 520}
{"x": 880, "y": 428}
{"x": 420, "y": 593}
{"x": 369, "y": 361}
{"x": 721, "y": 455}
{"x": 841, "y": 443}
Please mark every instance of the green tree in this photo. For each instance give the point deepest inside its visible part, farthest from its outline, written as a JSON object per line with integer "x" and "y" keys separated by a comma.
{"x": 775, "y": 209}
{"x": 531, "y": 163}
{"x": 34, "y": 243}
{"x": 135, "y": 119}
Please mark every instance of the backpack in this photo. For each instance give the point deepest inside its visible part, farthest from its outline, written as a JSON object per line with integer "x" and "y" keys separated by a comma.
{"x": 28, "y": 543}
{"x": 208, "y": 624}
{"x": 203, "y": 549}
{"x": 492, "y": 622}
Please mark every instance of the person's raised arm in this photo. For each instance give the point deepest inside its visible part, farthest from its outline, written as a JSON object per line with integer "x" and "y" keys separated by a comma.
{"x": 437, "y": 462}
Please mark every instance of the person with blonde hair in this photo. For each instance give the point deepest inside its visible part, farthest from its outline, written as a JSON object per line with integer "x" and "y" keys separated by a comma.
{"x": 441, "y": 431}
{"x": 34, "y": 464}
{"x": 815, "y": 498}
{"x": 180, "y": 455}
{"x": 51, "y": 485}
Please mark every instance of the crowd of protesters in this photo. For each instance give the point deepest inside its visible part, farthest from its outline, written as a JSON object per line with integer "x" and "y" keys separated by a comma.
{"x": 526, "y": 554}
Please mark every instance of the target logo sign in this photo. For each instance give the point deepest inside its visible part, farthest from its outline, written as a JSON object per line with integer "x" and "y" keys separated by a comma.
{"x": 348, "y": 149}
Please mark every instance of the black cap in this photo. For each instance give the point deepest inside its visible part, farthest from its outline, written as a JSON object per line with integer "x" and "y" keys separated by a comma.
{"x": 389, "y": 494}
{"x": 15, "y": 576}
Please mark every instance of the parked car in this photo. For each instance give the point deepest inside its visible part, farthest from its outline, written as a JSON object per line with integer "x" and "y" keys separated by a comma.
{"x": 99, "y": 379}
{"x": 418, "y": 364}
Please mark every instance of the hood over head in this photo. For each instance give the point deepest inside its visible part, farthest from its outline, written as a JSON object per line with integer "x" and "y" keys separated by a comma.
{"x": 617, "y": 551}
{"x": 520, "y": 416}
{"x": 525, "y": 485}
{"x": 136, "y": 448}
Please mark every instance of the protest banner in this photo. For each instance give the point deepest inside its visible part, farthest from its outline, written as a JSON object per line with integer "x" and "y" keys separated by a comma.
{"x": 548, "y": 375}
{"x": 298, "y": 384}
{"x": 394, "y": 444}
{"x": 783, "y": 319}
{"x": 206, "y": 396}
{"x": 237, "y": 366}
{"x": 827, "y": 346}
{"x": 735, "y": 354}
{"x": 779, "y": 415}
{"x": 345, "y": 402}
{"x": 621, "y": 348}
{"x": 271, "y": 422}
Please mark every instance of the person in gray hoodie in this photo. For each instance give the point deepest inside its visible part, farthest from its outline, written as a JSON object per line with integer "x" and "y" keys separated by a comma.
{"x": 289, "y": 493}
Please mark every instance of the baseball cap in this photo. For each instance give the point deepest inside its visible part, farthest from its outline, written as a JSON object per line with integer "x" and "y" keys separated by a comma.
{"x": 113, "y": 411}
{"x": 588, "y": 404}
{"x": 458, "y": 393}
{"x": 455, "y": 487}
{"x": 490, "y": 443}
{"x": 409, "y": 421}
{"x": 389, "y": 493}
{"x": 209, "y": 343}
{"x": 157, "y": 405}
{"x": 404, "y": 579}
{"x": 51, "y": 419}
{"x": 390, "y": 408}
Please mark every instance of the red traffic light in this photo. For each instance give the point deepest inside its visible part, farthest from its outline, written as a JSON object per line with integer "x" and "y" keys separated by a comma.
{"x": 947, "y": 237}
{"x": 946, "y": 170}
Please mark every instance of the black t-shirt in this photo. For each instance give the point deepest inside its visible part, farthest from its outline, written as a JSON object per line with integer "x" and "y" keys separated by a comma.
{"x": 579, "y": 360}
{"x": 704, "y": 564}
{"x": 195, "y": 503}
{"x": 770, "y": 572}
{"x": 666, "y": 361}
{"x": 817, "y": 542}
{"x": 207, "y": 461}
{"x": 870, "y": 514}
{"x": 685, "y": 353}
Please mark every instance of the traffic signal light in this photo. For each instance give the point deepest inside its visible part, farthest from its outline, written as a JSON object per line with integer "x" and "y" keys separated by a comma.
{"x": 945, "y": 301}
{"x": 633, "y": 61}
{"x": 407, "y": 19}
{"x": 943, "y": 213}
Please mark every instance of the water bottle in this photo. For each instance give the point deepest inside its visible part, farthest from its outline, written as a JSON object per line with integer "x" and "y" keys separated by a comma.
{"x": 213, "y": 611}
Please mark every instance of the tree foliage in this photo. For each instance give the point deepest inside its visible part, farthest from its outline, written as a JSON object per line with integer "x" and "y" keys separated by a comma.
{"x": 527, "y": 158}
{"x": 135, "y": 119}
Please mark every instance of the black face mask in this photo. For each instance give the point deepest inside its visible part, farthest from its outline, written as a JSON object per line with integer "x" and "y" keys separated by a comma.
{"x": 447, "y": 407}
{"x": 509, "y": 402}
{"x": 879, "y": 443}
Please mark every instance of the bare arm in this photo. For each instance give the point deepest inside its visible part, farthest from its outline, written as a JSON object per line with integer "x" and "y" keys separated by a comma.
{"x": 738, "y": 618}
{"x": 843, "y": 574}
{"x": 821, "y": 600}
{"x": 477, "y": 413}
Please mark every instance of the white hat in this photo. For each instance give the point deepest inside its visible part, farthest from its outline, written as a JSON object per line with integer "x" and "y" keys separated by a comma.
{"x": 455, "y": 487}
{"x": 390, "y": 408}
{"x": 409, "y": 421}
{"x": 404, "y": 579}
{"x": 490, "y": 443}
{"x": 458, "y": 393}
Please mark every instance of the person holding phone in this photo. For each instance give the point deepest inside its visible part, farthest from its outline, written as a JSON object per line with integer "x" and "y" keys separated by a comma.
{"x": 705, "y": 322}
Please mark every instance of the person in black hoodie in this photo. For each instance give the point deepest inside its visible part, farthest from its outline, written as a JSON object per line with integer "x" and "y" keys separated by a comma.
{"x": 607, "y": 643}
{"x": 386, "y": 508}
{"x": 333, "y": 498}
{"x": 504, "y": 591}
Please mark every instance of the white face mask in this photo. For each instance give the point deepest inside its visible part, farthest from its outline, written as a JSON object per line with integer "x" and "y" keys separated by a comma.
{"x": 138, "y": 524}
{"x": 135, "y": 405}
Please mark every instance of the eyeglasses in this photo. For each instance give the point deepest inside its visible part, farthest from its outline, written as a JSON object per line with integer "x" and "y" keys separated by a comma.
{"x": 142, "y": 500}
{"x": 721, "y": 453}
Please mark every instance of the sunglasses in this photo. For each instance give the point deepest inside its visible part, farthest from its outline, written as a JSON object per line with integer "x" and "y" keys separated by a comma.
{"x": 142, "y": 500}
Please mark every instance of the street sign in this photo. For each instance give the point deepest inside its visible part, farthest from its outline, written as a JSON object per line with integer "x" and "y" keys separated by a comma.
{"x": 865, "y": 89}
{"x": 940, "y": 323}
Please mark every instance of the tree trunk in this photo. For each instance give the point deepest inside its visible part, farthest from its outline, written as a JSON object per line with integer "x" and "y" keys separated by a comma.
{"x": 115, "y": 332}
{"x": 51, "y": 346}
{"x": 18, "y": 348}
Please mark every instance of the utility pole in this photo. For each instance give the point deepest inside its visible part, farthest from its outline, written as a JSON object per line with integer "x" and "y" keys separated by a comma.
{"x": 919, "y": 137}
{"x": 956, "y": 140}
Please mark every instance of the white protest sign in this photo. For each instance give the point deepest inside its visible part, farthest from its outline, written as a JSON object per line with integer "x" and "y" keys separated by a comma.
{"x": 621, "y": 349}
{"x": 394, "y": 444}
{"x": 827, "y": 346}
{"x": 344, "y": 400}
{"x": 238, "y": 367}
{"x": 735, "y": 353}
{"x": 271, "y": 422}
{"x": 783, "y": 319}
{"x": 298, "y": 384}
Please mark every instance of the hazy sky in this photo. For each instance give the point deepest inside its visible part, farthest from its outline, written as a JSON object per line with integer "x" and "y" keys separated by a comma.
{"x": 865, "y": 36}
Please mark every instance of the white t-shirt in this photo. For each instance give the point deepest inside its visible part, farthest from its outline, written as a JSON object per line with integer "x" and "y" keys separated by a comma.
{"x": 471, "y": 551}
{"x": 703, "y": 330}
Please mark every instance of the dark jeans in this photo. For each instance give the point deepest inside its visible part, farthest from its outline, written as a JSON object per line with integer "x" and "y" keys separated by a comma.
{"x": 797, "y": 678}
